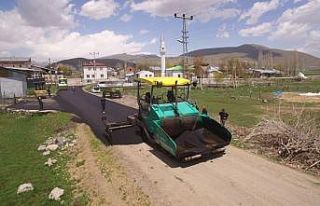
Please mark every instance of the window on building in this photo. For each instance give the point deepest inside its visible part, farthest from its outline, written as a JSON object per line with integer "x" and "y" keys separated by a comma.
{"x": 146, "y": 75}
{"x": 92, "y": 76}
{"x": 88, "y": 76}
{"x": 102, "y": 76}
{"x": 179, "y": 75}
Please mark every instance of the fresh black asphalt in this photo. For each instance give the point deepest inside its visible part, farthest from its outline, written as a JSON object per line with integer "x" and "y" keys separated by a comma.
{"x": 88, "y": 108}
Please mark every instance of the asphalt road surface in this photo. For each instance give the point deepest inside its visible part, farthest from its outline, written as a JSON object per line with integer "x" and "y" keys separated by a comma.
{"x": 88, "y": 108}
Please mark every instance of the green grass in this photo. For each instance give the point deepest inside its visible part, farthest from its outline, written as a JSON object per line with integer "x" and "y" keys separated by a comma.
{"x": 53, "y": 89}
{"x": 88, "y": 87}
{"x": 243, "y": 109}
{"x": 311, "y": 72}
{"x": 20, "y": 162}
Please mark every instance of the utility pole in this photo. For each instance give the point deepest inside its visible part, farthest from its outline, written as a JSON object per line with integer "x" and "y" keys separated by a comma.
{"x": 94, "y": 54}
{"x": 184, "y": 40}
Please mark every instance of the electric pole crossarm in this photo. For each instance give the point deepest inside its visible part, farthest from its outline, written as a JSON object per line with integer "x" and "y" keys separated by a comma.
{"x": 184, "y": 40}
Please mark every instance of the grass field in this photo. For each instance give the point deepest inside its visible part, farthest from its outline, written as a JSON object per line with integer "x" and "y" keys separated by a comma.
{"x": 53, "y": 89}
{"x": 20, "y": 162}
{"x": 311, "y": 72}
{"x": 245, "y": 104}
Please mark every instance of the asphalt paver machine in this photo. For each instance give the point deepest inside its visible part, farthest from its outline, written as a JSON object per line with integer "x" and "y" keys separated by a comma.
{"x": 166, "y": 117}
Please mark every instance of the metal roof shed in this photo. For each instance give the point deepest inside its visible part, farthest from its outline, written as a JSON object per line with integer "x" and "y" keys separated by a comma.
{"x": 13, "y": 82}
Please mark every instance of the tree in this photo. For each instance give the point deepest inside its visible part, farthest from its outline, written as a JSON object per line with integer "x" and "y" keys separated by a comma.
{"x": 198, "y": 63}
{"x": 142, "y": 66}
{"x": 218, "y": 77}
{"x": 234, "y": 66}
{"x": 65, "y": 70}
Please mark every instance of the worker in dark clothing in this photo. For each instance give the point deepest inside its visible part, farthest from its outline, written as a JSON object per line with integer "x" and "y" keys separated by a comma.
{"x": 170, "y": 96}
{"x": 223, "y": 117}
{"x": 103, "y": 104}
{"x": 73, "y": 89}
{"x": 40, "y": 103}
{"x": 148, "y": 97}
{"x": 104, "y": 116}
{"x": 14, "y": 99}
{"x": 204, "y": 111}
{"x": 49, "y": 91}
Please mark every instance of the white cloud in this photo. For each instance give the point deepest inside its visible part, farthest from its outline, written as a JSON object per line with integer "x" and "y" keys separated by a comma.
{"x": 99, "y": 9}
{"x": 126, "y": 18}
{"x": 299, "y": 27}
{"x": 38, "y": 13}
{"x": 312, "y": 44}
{"x": 75, "y": 45}
{"x": 144, "y": 31}
{"x": 19, "y": 36}
{"x": 256, "y": 30}
{"x": 222, "y": 32}
{"x": 259, "y": 9}
{"x": 297, "y": 1}
{"x": 153, "y": 41}
{"x": 204, "y": 10}
{"x": 215, "y": 13}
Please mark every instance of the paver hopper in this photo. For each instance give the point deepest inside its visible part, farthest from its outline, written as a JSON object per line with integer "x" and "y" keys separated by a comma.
{"x": 173, "y": 122}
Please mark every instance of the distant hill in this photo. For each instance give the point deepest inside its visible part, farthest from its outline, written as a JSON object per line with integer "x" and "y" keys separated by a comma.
{"x": 76, "y": 63}
{"x": 251, "y": 52}
{"x": 138, "y": 59}
{"x": 247, "y": 52}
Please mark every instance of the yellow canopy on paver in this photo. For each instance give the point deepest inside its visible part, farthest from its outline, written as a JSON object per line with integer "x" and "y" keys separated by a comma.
{"x": 165, "y": 81}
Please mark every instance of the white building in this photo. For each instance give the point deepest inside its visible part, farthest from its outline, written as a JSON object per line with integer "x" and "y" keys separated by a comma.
{"x": 212, "y": 71}
{"x": 95, "y": 71}
{"x": 144, "y": 74}
{"x": 176, "y": 71}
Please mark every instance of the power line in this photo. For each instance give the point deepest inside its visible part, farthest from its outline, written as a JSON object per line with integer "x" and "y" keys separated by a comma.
{"x": 185, "y": 37}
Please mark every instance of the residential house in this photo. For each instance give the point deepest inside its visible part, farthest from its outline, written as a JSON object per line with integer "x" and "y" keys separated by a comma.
{"x": 144, "y": 74}
{"x": 176, "y": 71}
{"x": 34, "y": 73}
{"x": 211, "y": 71}
{"x": 13, "y": 81}
{"x": 17, "y": 62}
{"x": 263, "y": 72}
{"x": 156, "y": 70}
{"x": 95, "y": 71}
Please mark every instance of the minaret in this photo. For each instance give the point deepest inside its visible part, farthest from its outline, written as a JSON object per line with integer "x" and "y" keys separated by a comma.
{"x": 163, "y": 56}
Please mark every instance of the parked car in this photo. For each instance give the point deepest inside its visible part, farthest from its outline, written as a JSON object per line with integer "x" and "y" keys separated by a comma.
{"x": 63, "y": 83}
{"x": 103, "y": 84}
{"x": 96, "y": 89}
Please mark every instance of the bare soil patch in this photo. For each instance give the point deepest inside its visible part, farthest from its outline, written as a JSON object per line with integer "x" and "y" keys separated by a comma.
{"x": 97, "y": 172}
{"x": 296, "y": 98}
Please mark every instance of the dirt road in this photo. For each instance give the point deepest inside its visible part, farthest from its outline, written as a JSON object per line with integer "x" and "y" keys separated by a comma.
{"x": 237, "y": 178}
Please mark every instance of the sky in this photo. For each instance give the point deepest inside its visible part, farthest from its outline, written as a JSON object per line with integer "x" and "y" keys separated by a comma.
{"x": 60, "y": 29}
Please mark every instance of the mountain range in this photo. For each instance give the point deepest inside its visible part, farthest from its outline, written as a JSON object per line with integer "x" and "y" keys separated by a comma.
{"x": 247, "y": 52}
